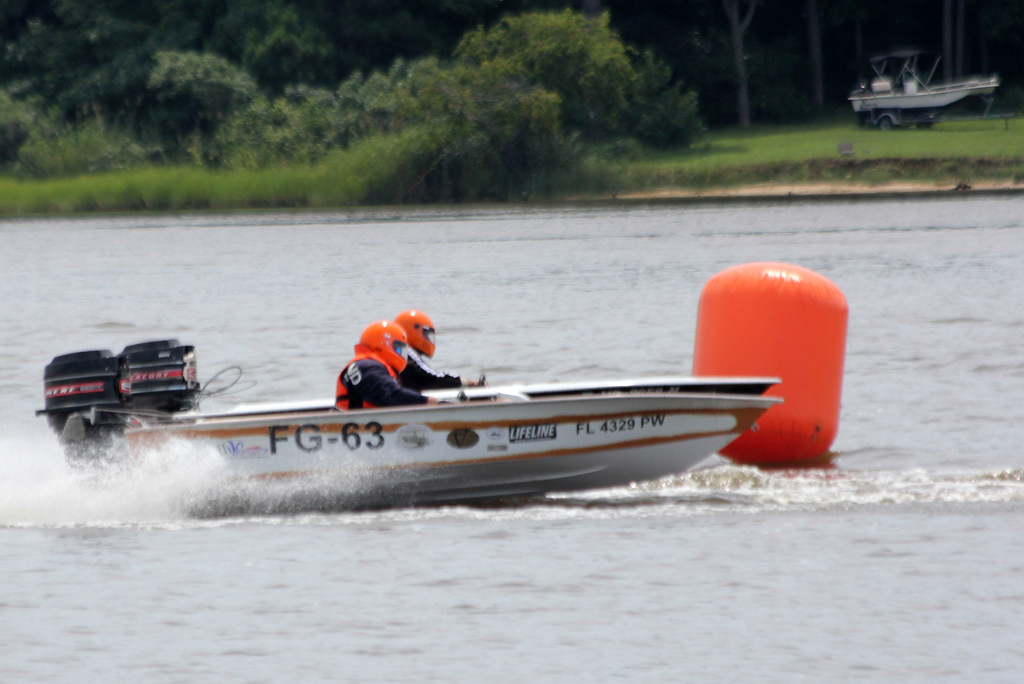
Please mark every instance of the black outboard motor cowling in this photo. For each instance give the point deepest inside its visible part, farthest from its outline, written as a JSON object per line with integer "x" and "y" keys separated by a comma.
{"x": 90, "y": 395}
{"x": 78, "y": 382}
{"x": 160, "y": 376}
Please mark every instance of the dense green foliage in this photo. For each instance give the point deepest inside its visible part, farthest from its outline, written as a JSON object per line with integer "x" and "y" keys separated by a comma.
{"x": 578, "y": 58}
{"x": 441, "y": 99}
{"x": 498, "y": 120}
{"x": 16, "y": 120}
{"x": 378, "y": 170}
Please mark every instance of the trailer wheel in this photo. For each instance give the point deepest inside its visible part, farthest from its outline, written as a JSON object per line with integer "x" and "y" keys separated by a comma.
{"x": 885, "y": 123}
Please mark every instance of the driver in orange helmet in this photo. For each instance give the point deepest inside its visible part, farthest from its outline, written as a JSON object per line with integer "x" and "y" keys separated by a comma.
{"x": 370, "y": 380}
{"x": 417, "y": 374}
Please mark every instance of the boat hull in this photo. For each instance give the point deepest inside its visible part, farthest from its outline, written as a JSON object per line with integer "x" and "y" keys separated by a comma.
{"x": 467, "y": 452}
{"x": 936, "y": 97}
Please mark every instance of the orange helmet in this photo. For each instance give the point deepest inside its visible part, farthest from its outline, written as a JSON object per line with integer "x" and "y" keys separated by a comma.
{"x": 387, "y": 339}
{"x": 420, "y": 330}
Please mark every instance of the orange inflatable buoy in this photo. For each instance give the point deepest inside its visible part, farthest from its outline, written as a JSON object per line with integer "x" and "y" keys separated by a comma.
{"x": 777, "y": 320}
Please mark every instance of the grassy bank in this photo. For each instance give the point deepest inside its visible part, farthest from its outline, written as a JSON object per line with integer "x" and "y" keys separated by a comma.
{"x": 347, "y": 178}
{"x": 962, "y": 152}
{"x": 973, "y": 152}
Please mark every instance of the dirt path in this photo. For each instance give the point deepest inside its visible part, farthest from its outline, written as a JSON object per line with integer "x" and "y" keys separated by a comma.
{"x": 771, "y": 190}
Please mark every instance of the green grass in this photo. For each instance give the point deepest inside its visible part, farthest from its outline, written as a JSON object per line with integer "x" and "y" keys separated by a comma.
{"x": 364, "y": 173}
{"x": 155, "y": 189}
{"x": 762, "y": 145}
{"x": 810, "y": 152}
{"x": 950, "y": 152}
{"x": 181, "y": 188}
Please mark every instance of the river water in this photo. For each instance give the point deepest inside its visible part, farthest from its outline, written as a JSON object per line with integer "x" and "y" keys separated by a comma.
{"x": 904, "y": 563}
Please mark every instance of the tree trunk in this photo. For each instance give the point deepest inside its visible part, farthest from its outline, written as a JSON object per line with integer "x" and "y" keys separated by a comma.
{"x": 947, "y": 39}
{"x": 737, "y": 27}
{"x": 983, "y": 49}
{"x": 814, "y": 53}
{"x": 858, "y": 41}
{"x": 959, "y": 68}
{"x": 591, "y": 8}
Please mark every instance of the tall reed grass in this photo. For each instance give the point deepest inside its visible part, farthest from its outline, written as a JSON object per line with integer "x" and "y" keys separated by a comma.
{"x": 387, "y": 169}
{"x": 344, "y": 179}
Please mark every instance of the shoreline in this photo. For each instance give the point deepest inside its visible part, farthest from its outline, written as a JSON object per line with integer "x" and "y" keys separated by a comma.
{"x": 757, "y": 192}
{"x": 822, "y": 191}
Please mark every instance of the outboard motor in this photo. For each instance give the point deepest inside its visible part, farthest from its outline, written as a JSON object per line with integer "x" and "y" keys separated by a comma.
{"x": 90, "y": 395}
{"x": 160, "y": 376}
{"x": 75, "y": 384}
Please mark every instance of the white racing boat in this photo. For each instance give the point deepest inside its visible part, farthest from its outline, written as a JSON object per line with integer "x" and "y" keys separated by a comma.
{"x": 489, "y": 443}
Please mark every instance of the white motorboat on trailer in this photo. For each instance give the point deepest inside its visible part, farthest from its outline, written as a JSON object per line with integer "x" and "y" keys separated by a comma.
{"x": 904, "y": 89}
{"x": 489, "y": 443}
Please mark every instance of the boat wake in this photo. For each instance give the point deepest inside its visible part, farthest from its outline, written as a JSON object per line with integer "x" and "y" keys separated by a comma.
{"x": 174, "y": 484}
{"x": 747, "y": 489}
{"x": 334, "y": 493}
{"x": 39, "y": 488}
{"x": 183, "y": 485}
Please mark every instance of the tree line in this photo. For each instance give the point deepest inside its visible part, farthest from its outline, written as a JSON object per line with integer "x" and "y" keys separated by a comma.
{"x": 98, "y": 84}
